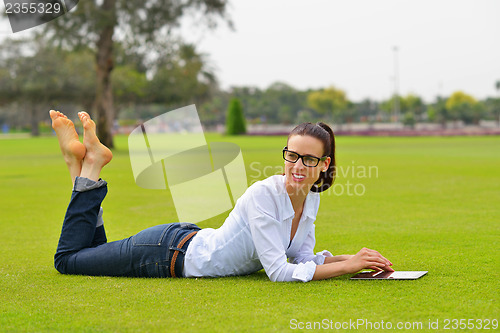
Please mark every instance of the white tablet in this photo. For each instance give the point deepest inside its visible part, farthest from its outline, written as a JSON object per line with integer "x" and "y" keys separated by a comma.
{"x": 381, "y": 275}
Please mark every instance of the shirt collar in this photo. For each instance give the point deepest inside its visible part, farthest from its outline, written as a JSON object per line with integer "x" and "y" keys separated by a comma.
{"x": 310, "y": 206}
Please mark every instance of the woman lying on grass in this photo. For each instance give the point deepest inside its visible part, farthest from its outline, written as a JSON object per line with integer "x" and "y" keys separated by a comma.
{"x": 271, "y": 226}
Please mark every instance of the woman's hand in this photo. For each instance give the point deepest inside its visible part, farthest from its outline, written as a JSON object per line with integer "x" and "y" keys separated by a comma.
{"x": 367, "y": 258}
{"x": 347, "y": 264}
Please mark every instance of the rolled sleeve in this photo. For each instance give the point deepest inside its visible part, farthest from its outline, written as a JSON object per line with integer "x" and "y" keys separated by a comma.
{"x": 304, "y": 271}
{"x": 319, "y": 258}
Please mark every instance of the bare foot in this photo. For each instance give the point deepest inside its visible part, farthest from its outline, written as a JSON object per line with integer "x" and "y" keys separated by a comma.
{"x": 72, "y": 149}
{"x": 98, "y": 155}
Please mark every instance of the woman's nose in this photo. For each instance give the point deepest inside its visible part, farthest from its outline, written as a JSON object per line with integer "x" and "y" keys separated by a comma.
{"x": 300, "y": 164}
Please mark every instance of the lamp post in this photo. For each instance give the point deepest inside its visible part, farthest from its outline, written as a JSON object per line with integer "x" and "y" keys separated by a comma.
{"x": 396, "y": 85}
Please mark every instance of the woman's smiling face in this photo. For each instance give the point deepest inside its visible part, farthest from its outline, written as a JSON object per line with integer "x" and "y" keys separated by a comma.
{"x": 300, "y": 178}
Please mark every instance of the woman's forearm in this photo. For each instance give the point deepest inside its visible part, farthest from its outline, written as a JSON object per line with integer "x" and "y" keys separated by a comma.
{"x": 330, "y": 270}
{"x": 342, "y": 257}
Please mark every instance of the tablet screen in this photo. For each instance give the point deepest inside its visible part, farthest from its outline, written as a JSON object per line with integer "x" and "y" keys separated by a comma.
{"x": 398, "y": 275}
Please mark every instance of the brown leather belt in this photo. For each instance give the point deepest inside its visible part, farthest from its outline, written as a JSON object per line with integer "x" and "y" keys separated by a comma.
{"x": 176, "y": 252}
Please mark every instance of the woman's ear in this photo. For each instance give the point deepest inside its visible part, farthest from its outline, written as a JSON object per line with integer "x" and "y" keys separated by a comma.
{"x": 327, "y": 164}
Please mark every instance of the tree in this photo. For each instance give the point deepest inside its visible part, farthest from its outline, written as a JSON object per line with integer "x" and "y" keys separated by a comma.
{"x": 415, "y": 106}
{"x": 496, "y": 110}
{"x": 278, "y": 103}
{"x": 410, "y": 103}
{"x": 235, "y": 120}
{"x": 329, "y": 100}
{"x": 182, "y": 77}
{"x": 130, "y": 85}
{"x": 388, "y": 105}
{"x": 281, "y": 103}
{"x": 142, "y": 26}
{"x": 462, "y": 106}
{"x": 212, "y": 112}
{"x": 46, "y": 75}
{"x": 409, "y": 119}
{"x": 437, "y": 112}
{"x": 366, "y": 110}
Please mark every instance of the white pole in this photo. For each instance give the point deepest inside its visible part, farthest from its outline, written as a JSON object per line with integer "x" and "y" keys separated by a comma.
{"x": 396, "y": 85}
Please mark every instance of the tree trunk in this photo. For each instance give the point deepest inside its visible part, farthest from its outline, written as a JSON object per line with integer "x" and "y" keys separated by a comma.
{"x": 103, "y": 104}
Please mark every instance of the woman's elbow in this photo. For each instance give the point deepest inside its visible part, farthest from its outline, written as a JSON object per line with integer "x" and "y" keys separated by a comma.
{"x": 278, "y": 276}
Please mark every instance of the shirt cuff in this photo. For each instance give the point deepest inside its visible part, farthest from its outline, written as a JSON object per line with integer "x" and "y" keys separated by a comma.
{"x": 320, "y": 257}
{"x": 304, "y": 271}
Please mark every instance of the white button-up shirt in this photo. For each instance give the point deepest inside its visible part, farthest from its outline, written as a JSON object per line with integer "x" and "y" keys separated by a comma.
{"x": 256, "y": 235}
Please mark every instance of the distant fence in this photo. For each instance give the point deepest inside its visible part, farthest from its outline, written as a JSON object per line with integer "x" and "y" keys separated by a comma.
{"x": 363, "y": 129}
{"x": 390, "y": 129}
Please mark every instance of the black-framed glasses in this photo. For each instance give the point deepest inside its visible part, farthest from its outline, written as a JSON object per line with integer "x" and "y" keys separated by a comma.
{"x": 307, "y": 160}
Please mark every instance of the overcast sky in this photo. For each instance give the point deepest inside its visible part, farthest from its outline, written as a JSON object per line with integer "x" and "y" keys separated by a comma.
{"x": 443, "y": 45}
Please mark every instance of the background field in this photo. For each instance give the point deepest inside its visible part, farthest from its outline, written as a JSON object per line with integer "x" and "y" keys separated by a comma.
{"x": 432, "y": 205}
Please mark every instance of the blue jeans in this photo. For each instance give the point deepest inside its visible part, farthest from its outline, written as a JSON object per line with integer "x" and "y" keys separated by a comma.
{"x": 83, "y": 248}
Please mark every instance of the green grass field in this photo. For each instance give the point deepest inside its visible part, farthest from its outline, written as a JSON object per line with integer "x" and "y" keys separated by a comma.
{"x": 428, "y": 204}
